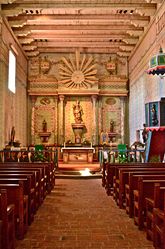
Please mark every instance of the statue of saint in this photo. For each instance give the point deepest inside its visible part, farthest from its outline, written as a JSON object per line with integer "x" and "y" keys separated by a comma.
{"x": 144, "y": 133}
{"x": 112, "y": 126}
{"x": 154, "y": 115}
{"x": 12, "y": 135}
{"x": 44, "y": 126}
{"x": 103, "y": 137}
{"x": 78, "y": 112}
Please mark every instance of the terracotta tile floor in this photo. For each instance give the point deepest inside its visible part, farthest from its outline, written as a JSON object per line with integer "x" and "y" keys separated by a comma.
{"x": 79, "y": 215}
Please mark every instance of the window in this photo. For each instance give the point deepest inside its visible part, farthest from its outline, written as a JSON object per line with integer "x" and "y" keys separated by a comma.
{"x": 12, "y": 71}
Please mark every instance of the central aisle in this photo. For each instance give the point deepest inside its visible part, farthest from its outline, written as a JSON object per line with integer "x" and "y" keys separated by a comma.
{"x": 79, "y": 215}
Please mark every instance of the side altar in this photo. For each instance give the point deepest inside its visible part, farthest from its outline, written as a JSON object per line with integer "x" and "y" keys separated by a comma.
{"x": 77, "y": 154}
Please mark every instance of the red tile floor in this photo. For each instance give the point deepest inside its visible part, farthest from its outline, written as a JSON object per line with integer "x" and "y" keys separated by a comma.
{"x": 79, "y": 215}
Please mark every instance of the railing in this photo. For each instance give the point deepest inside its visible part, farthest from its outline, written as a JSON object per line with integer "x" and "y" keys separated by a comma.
{"x": 32, "y": 155}
{"x": 53, "y": 154}
{"x": 117, "y": 156}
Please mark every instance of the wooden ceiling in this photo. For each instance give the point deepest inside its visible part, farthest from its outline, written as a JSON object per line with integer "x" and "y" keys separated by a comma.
{"x": 92, "y": 26}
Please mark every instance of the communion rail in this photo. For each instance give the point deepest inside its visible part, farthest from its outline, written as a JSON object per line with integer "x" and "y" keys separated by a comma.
{"x": 29, "y": 155}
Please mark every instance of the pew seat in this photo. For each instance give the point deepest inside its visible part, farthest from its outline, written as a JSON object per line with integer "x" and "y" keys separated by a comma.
{"x": 123, "y": 177}
{"x": 132, "y": 184}
{"x": 28, "y": 190}
{"x": 145, "y": 190}
{"x": 7, "y": 222}
{"x": 110, "y": 172}
{"x": 158, "y": 227}
{"x": 16, "y": 196}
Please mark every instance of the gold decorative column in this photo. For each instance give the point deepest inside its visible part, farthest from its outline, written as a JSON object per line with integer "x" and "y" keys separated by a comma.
{"x": 56, "y": 119}
{"x": 95, "y": 127}
{"x": 33, "y": 98}
{"x": 122, "y": 101}
{"x": 61, "y": 120}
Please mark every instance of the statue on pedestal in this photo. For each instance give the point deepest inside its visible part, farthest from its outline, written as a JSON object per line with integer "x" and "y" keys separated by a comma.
{"x": 78, "y": 126}
{"x": 111, "y": 126}
{"x": 144, "y": 133}
{"x": 78, "y": 112}
{"x": 44, "y": 126}
{"x": 12, "y": 135}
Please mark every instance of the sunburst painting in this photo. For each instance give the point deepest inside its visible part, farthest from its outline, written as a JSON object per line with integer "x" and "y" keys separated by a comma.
{"x": 78, "y": 73}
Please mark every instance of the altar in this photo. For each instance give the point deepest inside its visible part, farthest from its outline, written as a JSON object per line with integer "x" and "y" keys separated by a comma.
{"x": 77, "y": 154}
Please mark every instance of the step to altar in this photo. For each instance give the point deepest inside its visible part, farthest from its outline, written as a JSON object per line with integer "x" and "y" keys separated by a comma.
{"x": 92, "y": 167}
{"x": 69, "y": 174}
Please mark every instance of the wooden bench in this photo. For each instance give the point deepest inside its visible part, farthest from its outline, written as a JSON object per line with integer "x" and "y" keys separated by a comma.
{"x": 156, "y": 203}
{"x": 108, "y": 175}
{"x": 28, "y": 189}
{"x": 38, "y": 177}
{"x": 155, "y": 208}
{"x": 48, "y": 173}
{"x": 133, "y": 184}
{"x": 45, "y": 172}
{"x": 145, "y": 190}
{"x": 7, "y": 222}
{"x": 16, "y": 196}
{"x": 111, "y": 172}
{"x": 123, "y": 177}
{"x": 104, "y": 173}
{"x": 0, "y": 233}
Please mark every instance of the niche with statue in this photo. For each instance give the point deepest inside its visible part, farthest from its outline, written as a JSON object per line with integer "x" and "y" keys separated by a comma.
{"x": 44, "y": 134}
{"x": 155, "y": 113}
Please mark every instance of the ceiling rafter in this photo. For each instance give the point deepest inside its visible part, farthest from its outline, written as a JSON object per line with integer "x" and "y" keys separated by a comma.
{"x": 90, "y": 25}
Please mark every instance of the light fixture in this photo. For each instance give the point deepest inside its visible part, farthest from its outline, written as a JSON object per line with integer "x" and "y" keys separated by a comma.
{"x": 157, "y": 64}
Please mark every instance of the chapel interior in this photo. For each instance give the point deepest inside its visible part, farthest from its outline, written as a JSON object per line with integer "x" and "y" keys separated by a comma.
{"x": 78, "y": 77}
{"x": 94, "y": 53}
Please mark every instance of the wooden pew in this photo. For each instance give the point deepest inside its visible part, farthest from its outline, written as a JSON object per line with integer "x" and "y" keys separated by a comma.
{"x": 108, "y": 175}
{"x": 27, "y": 171}
{"x": 38, "y": 177}
{"x": 48, "y": 173}
{"x": 159, "y": 217}
{"x": 123, "y": 177}
{"x": 28, "y": 188}
{"x": 157, "y": 204}
{"x": 111, "y": 174}
{"x": 45, "y": 171}
{"x": 7, "y": 222}
{"x": 133, "y": 184}
{"x": 0, "y": 233}
{"x": 145, "y": 189}
{"x": 16, "y": 196}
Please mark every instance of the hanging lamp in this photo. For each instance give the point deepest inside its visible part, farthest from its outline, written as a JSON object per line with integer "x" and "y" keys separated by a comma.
{"x": 157, "y": 64}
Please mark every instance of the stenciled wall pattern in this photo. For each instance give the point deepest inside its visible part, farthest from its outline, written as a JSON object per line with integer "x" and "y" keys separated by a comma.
{"x": 45, "y": 109}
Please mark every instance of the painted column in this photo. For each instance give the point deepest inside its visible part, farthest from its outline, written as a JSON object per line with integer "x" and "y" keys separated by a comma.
{"x": 61, "y": 120}
{"x": 95, "y": 126}
{"x": 55, "y": 119}
{"x": 4, "y": 126}
{"x": 122, "y": 101}
{"x": 34, "y": 98}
